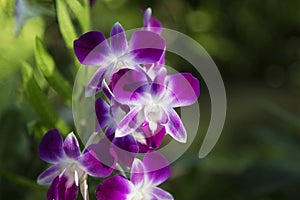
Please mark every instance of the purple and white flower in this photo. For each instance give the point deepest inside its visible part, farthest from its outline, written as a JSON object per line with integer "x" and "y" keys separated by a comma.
{"x": 144, "y": 47}
{"x": 108, "y": 117}
{"x": 139, "y": 110}
{"x": 151, "y": 23}
{"x": 69, "y": 166}
{"x": 153, "y": 102}
{"x": 142, "y": 140}
{"x": 145, "y": 176}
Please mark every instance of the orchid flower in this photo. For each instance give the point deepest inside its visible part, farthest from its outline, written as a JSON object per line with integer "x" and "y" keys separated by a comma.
{"x": 145, "y": 47}
{"x": 150, "y": 22}
{"x": 135, "y": 116}
{"x": 145, "y": 138}
{"x": 110, "y": 115}
{"x": 70, "y": 166}
{"x": 145, "y": 176}
{"x": 154, "y": 102}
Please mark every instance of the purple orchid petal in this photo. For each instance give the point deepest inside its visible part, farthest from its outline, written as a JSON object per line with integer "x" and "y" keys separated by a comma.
{"x": 154, "y": 25}
{"x": 49, "y": 175}
{"x": 160, "y": 74}
{"x": 99, "y": 159}
{"x": 96, "y": 82}
{"x": 153, "y": 139}
{"x": 60, "y": 189}
{"x": 107, "y": 92}
{"x": 110, "y": 131}
{"x": 157, "y": 90}
{"x": 118, "y": 41}
{"x": 121, "y": 72}
{"x": 102, "y": 113}
{"x": 126, "y": 148}
{"x": 97, "y": 127}
{"x": 130, "y": 122}
{"x": 156, "y": 67}
{"x": 116, "y": 77}
{"x": 151, "y": 23}
{"x": 127, "y": 86}
{"x": 51, "y": 146}
{"x": 71, "y": 146}
{"x": 175, "y": 128}
{"x": 91, "y": 48}
{"x": 164, "y": 116}
{"x": 160, "y": 194}
{"x": 184, "y": 89}
{"x": 137, "y": 175}
{"x": 66, "y": 191}
{"x": 53, "y": 191}
{"x": 93, "y": 166}
{"x": 157, "y": 168}
{"x": 114, "y": 188}
{"x": 146, "y": 47}
{"x": 109, "y": 116}
{"x": 147, "y": 16}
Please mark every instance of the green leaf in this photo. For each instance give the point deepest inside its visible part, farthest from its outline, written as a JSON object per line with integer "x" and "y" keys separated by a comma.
{"x": 86, "y": 16}
{"x": 21, "y": 180}
{"x": 46, "y": 65}
{"x": 40, "y": 102}
{"x": 81, "y": 12}
{"x": 65, "y": 24}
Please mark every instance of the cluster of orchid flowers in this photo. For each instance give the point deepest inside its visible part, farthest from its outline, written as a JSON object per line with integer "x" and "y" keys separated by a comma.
{"x": 135, "y": 112}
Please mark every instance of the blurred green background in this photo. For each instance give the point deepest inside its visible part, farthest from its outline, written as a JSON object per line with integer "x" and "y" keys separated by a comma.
{"x": 256, "y": 46}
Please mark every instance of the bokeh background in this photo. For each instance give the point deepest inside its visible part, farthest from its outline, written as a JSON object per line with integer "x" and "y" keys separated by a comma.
{"x": 256, "y": 46}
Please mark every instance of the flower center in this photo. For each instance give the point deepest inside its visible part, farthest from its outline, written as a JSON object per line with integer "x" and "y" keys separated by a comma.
{"x": 142, "y": 192}
{"x": 74, "y": 173}
{"x": 153, "y": 114}
{"x": 139, "y": 137}
{"x": 119, "y": 65}
{"x": 138, "y": 196}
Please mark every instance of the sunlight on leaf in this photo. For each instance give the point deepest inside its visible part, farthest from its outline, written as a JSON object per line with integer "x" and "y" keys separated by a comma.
{"x": 81, "y": 12}
{"x": 65, "y": 24}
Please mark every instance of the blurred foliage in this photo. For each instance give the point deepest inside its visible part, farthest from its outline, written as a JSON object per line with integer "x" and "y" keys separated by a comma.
{"x": 256, "y": 45}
